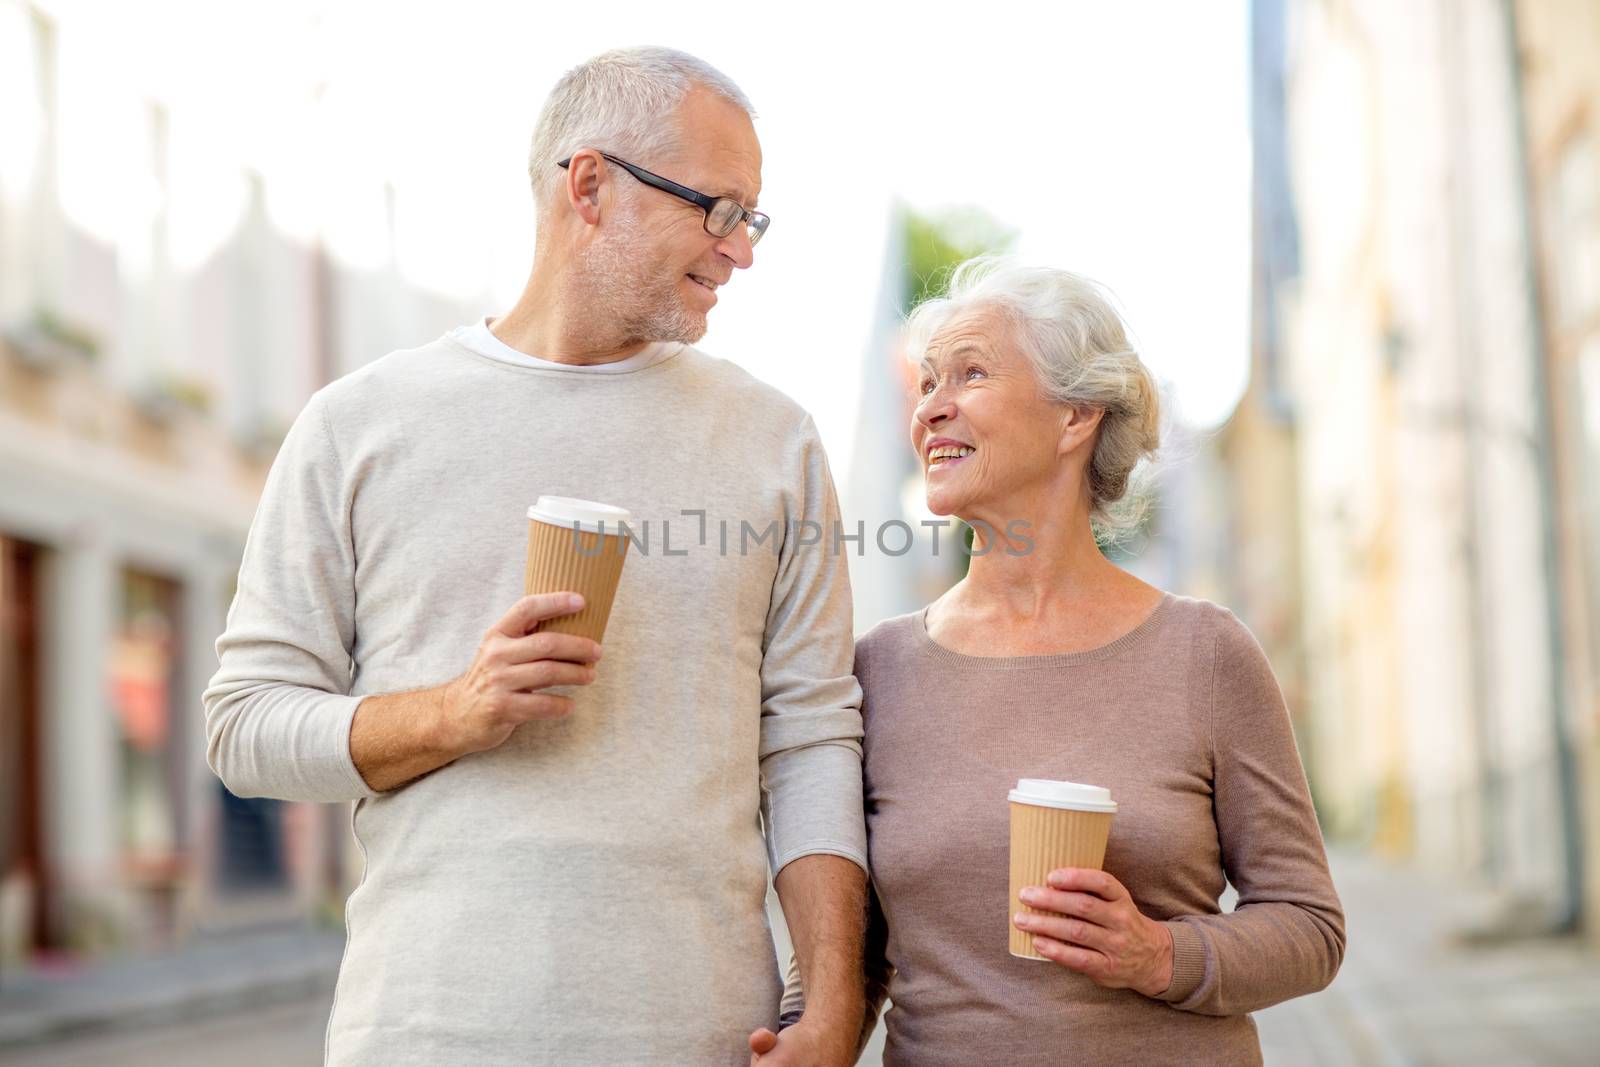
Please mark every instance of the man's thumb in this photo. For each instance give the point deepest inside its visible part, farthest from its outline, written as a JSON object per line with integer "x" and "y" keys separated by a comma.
{"x": 762, "y": 1041}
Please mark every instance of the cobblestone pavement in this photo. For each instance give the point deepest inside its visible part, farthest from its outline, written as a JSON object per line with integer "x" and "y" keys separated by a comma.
{"x": 1412, "y": 991}
{"x": 285, "y": 1035}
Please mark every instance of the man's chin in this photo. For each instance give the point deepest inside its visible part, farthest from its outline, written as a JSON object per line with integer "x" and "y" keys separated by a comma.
{"x": 686, "y": 328}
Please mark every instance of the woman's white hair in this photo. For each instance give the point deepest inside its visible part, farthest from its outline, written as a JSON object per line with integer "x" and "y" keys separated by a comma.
{"x": 1079, "y": 347}
{"x": 623, "y": 102}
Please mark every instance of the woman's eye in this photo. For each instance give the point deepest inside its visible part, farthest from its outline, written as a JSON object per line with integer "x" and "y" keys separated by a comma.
{"x": 971, "y": 371}
{"x": 926, "y": 387}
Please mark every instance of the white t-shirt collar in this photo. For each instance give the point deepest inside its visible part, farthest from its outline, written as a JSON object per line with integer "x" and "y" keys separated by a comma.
{"x": 479, "y": 338}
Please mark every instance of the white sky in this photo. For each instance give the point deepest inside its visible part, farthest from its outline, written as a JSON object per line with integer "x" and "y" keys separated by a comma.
{"x": 1113, "y": 136}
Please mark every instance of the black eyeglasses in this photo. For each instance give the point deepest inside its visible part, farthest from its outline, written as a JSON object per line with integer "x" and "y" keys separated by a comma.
{"x": 723, "y": 214}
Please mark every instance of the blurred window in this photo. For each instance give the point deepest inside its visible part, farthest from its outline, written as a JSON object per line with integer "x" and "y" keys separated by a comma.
{"x": 1589, "y": 474}
{"x": 1575, "y": 234}
{"x": 1573, "y": 217}
{"x": 144, "y": 676}
{"x": 23, "y": 909}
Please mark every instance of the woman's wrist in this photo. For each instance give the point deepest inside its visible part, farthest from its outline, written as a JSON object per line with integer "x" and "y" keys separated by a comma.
{"x": 1160, "y": 978}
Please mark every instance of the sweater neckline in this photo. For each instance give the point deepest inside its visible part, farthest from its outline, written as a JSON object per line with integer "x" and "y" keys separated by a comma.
{"x": 656, "y": 354}
{"x": 919, "y": 626}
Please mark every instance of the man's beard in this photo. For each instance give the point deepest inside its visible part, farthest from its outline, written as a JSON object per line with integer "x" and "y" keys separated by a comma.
{"x": 632, "y": 301}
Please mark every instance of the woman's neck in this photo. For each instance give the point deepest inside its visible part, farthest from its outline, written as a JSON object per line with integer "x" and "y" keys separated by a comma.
{"x": 1045, "y": 588}
{"x": 1035, "y": 557}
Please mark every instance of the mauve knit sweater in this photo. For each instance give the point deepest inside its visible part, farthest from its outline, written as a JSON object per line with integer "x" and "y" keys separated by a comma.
{"x": 1182, "y": 719}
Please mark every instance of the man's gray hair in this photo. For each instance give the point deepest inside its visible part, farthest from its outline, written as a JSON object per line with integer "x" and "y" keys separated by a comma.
{"x": 623, "y": 103}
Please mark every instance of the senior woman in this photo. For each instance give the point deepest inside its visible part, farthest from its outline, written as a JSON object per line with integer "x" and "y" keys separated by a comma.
{"x": 1048, "y": 661}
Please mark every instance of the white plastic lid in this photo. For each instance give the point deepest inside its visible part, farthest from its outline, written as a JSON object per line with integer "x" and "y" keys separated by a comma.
{"x": 1044, "y": 793}
{"x": 566, "y": 510}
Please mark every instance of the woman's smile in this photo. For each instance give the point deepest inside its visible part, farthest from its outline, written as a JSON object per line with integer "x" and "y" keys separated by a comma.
{"x": 944, "y": 454}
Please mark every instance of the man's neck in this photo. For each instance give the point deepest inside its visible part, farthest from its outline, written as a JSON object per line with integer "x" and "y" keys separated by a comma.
{"x": 546, "y": 324}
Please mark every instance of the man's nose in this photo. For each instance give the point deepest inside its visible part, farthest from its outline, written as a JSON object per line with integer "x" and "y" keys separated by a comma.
{"x": 736, "y": 246}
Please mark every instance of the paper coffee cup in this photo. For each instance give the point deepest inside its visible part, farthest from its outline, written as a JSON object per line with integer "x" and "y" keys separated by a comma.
{"x": 576, "y": 546}
{"x": 1053, "y": 825}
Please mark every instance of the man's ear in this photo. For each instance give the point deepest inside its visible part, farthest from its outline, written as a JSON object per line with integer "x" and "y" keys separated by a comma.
{"x": 1078, "y": 424}
{"x": 585, "y": 175}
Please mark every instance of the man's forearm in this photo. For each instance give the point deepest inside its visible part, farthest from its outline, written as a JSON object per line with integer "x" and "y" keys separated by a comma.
{"x": 824, "y": 902}
{"x": 396, "y": 737}
{"x": 402, "y": 736}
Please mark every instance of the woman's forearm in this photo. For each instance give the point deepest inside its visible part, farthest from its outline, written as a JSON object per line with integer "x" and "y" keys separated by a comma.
{"x": 1259, "y": 955}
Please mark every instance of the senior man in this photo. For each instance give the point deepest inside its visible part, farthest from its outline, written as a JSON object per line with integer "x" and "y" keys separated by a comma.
{"x": 564, "y": 856}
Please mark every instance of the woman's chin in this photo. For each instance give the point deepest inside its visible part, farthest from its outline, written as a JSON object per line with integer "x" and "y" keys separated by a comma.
{"x": 942, "y": 504}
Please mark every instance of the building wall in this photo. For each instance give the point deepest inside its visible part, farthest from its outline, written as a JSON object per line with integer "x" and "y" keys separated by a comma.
{"x": 1559, "y": 48}
{"x": 1257, "y": 448}
{"x": 1410, "y": 339}
{"x": 142, "y": 397}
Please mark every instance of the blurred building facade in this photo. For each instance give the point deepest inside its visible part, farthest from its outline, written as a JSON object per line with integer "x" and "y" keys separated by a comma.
{"x": 1255, "y": 448}
{"x": 884, "y": 480}
{"x": 908, "y": 556}
{"x": 1430, "y": 585}
{"x": 141, "y": 400}
{"x": 1559, "y": 48}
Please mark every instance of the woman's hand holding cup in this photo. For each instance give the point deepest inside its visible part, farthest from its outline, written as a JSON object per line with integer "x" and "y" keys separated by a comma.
{"x": 1095, "y": 929}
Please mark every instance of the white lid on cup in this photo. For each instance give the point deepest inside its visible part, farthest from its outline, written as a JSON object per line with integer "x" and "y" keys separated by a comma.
{"x": 1044, "y": 793}
{"x": 564, "y": 511}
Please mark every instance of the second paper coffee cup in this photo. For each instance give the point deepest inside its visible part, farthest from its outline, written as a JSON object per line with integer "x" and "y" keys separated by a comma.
{"x": 1053, "y": 825}
{"x": 576, "y": 546}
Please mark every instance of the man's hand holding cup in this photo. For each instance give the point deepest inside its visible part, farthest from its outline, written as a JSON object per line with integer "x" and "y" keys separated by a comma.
{"x": 508, "y": 682}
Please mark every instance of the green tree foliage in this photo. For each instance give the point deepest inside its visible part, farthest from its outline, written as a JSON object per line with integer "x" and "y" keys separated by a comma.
{"x": 936, "y": 243}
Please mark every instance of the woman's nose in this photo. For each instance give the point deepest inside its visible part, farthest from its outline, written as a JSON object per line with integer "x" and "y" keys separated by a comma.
{"x": 934, "y": 408}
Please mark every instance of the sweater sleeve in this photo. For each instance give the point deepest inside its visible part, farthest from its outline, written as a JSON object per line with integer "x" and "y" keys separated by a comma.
{"x": 1286, "y": 936}
{"x": 810, "y": 703}
{"x": 278, "y": 710}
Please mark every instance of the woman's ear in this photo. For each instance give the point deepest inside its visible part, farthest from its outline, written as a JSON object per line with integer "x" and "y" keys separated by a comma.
{"x": 1078, "y": 424}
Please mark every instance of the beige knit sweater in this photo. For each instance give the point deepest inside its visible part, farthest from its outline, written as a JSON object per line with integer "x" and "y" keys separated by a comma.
{"x": 591, "y": 891}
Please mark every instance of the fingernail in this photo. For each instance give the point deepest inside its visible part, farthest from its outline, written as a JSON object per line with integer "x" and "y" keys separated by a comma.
{"x": 575, "y": 602}
{"x": 1029, "y": 895}
{"x": 1020, "y": 918}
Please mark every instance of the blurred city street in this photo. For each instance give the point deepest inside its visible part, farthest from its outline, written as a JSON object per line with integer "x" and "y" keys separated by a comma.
{"x": 206, "y": 979}
{"x": 1413, "y": 991}
{"x": 1357, "y": 244}
{"x": 282, "y": 1034}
